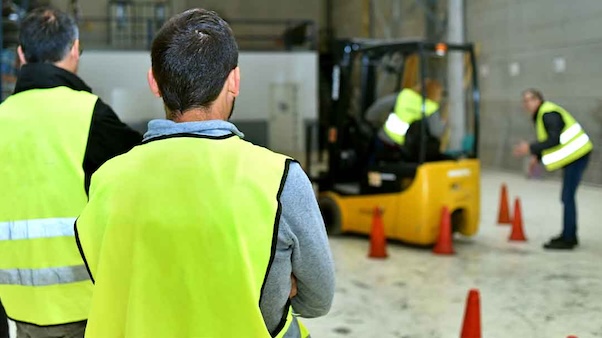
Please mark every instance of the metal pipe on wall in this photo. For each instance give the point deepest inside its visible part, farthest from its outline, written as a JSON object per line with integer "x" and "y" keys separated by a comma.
{"x": 455, "y": 85}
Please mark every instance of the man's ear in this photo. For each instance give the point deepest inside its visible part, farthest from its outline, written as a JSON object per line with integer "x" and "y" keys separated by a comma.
{"x": 21, "y": 55}
{"x": 75, "y": 50}
{"x": 234, "y": 82}
{"x": 152, "y": 83}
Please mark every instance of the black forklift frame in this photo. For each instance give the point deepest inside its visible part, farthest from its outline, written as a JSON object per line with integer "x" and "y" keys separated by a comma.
{"x": 373, "y": 50}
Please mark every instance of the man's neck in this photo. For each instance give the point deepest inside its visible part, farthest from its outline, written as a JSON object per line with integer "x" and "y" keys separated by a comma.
{"x": 65, "y": 65}
{"x": 199, "y": 115}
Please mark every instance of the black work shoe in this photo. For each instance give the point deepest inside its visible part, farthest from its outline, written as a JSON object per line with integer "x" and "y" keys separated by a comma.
{"x": 560, "y": 244}
{"x": 561, "y": 239}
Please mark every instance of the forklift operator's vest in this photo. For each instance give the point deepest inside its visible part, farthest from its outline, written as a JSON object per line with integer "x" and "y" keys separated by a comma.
{"x": 574, "y": 142}
{"x": 179, "y": 236}
{"x": 43, "y": 279}
{"x": 408, "y": 109}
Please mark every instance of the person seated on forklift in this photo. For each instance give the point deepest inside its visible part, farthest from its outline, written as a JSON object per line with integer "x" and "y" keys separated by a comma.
{"x": 400, "y": 137}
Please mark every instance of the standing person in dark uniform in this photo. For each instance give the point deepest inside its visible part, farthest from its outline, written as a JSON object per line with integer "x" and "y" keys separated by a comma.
{"x": 561, "y": 144}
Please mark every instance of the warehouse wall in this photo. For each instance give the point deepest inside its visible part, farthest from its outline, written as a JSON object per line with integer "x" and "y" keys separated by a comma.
{"x": 289, "y": 9}
{"x": 350, "y": 19}
{"x": 262, "y": 10}
{"x": 265, "y": 9}
{"x": 94, "y": 28}
{"x": 554, "y": 45}
{"x": 278, "y": 93}
{"x": 90, "y": 8}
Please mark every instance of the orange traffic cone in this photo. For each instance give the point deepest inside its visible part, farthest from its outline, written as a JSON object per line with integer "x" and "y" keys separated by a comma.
{"x": 444, "y": 244}
{"x": 572, "y": 337}
{"x": 471, "y": 328}
{"x": 504, "y": 210}
{"x": 378, "y": 242}
{"x": 517, "y": 224}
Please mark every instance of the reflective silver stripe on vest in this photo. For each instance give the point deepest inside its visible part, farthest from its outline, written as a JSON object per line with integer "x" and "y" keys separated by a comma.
{"x": 570, "y": 133}
{"x": 396, "y": 125}
{"x": 566, "y": 150}
{"x": 37, "y": 228}
{"x": 45, "y": 276}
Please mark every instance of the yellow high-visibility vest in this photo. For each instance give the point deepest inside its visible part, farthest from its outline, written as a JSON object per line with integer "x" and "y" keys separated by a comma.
{"x": 574, "y": 142}
{"x": 408, "y": 109}
{"x": 179, "y": 235}
{"x": 43, "y": 279}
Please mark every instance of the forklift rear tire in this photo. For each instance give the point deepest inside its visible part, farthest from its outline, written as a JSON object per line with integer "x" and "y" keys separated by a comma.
{"x": 331, "y": 215}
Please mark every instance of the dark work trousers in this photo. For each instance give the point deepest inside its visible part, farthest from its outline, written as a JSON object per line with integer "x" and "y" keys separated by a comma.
{"x": 72, "y": 330}
{"x": 3, "y": 323}
{"x": 382, "y": 150}
{"x": 572, "y": 175}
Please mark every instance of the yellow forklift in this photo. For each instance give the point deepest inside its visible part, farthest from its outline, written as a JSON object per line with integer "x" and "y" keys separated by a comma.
{"x": 412, "y": 194}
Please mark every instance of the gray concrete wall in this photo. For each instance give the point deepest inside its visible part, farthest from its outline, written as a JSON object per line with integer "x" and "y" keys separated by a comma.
{"x": 532, "y": 34}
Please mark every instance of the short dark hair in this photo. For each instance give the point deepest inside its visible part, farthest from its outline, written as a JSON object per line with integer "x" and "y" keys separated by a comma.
{"x": 192, "y": 56}
{"x": 46, "y": 35}
{"x": 536, "y": 93}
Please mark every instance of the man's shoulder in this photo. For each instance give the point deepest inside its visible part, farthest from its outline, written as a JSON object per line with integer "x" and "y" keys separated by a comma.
{"x": 51, "y": 99}
{"x": 552, "y": 117}
{"x": 58, "y": 92}
{"x": 296, "y": 172}
{"x": 122, "y": 164}
{"x": 255, "y": 149}
{"x": 296, "y": 181}
{"x": 550, "y": 107}
{"x": 266, "y": 158}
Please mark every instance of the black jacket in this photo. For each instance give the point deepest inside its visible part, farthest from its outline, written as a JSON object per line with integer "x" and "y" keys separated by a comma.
{"x": 108, "y": 136}
{"x": 554, "y": 124}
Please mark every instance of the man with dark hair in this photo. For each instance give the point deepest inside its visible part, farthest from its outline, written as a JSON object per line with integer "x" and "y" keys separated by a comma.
{"x": 55, "y": 134}
{"x": 561, "y": 144}
{"x": 196, "y": 232}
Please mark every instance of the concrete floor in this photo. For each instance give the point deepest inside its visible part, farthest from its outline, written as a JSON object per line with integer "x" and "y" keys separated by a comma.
{"x": 526, "y": 292}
